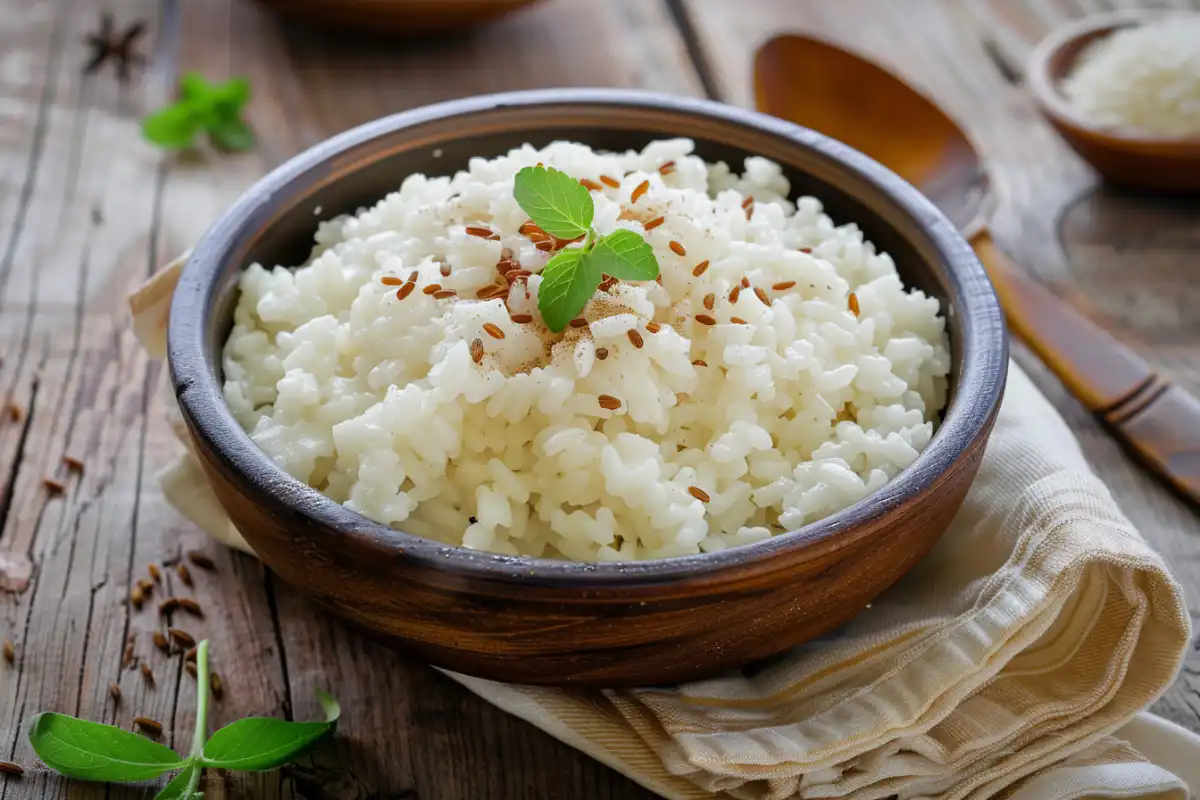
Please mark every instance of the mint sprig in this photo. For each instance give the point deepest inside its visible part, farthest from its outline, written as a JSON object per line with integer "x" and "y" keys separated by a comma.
{"x": 561, "y": 206}
{"x": 92, "y": 751}
{"x": 202, "y": 107}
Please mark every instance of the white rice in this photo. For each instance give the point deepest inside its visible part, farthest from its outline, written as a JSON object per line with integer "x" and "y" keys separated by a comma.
{"x": 800, "y": 412}
{"x": 1144, "y": 78}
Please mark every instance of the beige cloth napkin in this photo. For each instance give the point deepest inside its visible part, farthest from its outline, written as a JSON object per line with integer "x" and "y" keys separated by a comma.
{"x": 1000, "y": 667}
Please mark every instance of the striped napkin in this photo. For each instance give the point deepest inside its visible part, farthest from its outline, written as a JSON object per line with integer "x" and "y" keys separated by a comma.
{"x": 1009, "y": 663}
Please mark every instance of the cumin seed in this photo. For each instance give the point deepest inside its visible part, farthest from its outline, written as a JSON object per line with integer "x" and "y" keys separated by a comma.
{"x": 444, "y": 294}
{"x": 805, "y": 249}
{"x": 201, "y": 560}
{"x": 667, "y": 168}
{"x": 578, "y": 322}
{"x": 735, "y": 294}
{"x": 699, "y": 362}
{"x": 705, "y": 319}
{"x": 147, "y": 673}
{"x": 699, "y": 494}
{"x": 601, "y": 353}
{"x": 190, "y": 655}
{"x": 853, "y": 303}
{"x": 635, "y": 338}
{"x": 391, "y": 280}
{"x": 610, "y": 181}
{"x": 738, "y": 321}
{"x": 431, "y": 288}
{"x": 745, "y": 282}
{"x": 53, "y": 486}
{"x": 590, "y": 185}
{"x": 709, "y": 301}
{"x": 115, "y": 691}
{"x": 477, "y": 351}
{"x": 444, "y": 269}
{"x": 9, "y": 768}
{"x": 479, "y": 230}
{"x": 783, "y": 286}
{"x": 191, "y": 606}
{"x": 15, "y": 412}
{"x": 190, "y": 668}
{"x": 609, "y": 402}
{"x": 405, "y": 290}
{"x": 761, "y": 295}
{"x": 184, "y": 574}
{"x": 493, "y": 330}
{"x": 161, "y": 642}
{"x": 700, "y": 268}
{"x": 638, "y": 191}
{"x": 214, "y": 683}
{"x": 168, "y": 605}
{"x": 10, "y": 652}
{"x": 521, "y": 319}
{"x": 677, "y": 248}
{"x": 181, "y": 637}
{"x": 137, "y": 596}
{"x": 155, "y": 572}
{"x": 72, "y": 463}
{"x": 653, "y": 327}
{"x": 654, "y": 223}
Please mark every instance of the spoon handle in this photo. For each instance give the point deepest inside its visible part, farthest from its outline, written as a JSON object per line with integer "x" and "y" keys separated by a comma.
{"x": 1158, "y": 421}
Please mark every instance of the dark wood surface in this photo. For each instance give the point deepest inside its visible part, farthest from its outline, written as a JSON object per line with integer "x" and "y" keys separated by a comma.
{"x": 86, "y": 211}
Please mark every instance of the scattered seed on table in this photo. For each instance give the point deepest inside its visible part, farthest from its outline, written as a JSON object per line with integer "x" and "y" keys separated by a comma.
{"x": 137, "y": 596}
{"x": 653, "y": 327}
{"x": 10, "y": 652}
{"x": 700, "y": 268}
{"x": 853, "y": 303}
{"x": 147, "y": 673}
{"x": 477, "y": 351}
{"x": 738, "y": 321}
{"x": 150, "y": 726}
{"x": 638, "y": 191}
{"x": 493, "y": 330}
{"x": 762, "y": 296}
{"x": 15, "y": 412}
{"x": 677, "y": 248}
{"x": 184, "y": 574}
{"x": 610, "y": 181}
{"x": 190, "y": 668}
{"x": 115, "y": 691}
{"x": 521, "y": 319}
{"x": 53, "y": 486}
{"x": 168, "y": 605}
{"x": 181, "y": 637}
{"x": 609, "y": 402}
{"x": 72, "y": 463}
{"x": 590, "y": 185}
{"x": 190, "y": 655}
{"x": 155, "y": 572}
{"x": 654, "y": 223}
{"x": 705, "y": 319}
{"x": 635, "y": 338}
{"x": 405, "y": 290}
{"x": 214, "y": 683}
{"x": 127, "y": 656}
{"x": 146, "y": 585}
{"x": 783, "y": 285}
{"x": 391, "y": 280}
{"x": 735, "y": 293}
{"x": 191, "y": 606}
{"x": 160, "y": 641}
{"x": 201, "y": 560}
{"x": 9, "y": 768}
{"x": 709, "y": 301}
{"x": 699, "y": 494}
{"x": 431, "y": 288}
{"x": 601, "y": 353}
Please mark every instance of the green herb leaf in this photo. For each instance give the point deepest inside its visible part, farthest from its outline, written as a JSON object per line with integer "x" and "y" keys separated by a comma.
{"x": 555, "y": 201}
{"x": 233, "y": 135}
{"x": 174, "y": 127}
{"x": 182, "y": 786}
{"x": 626, "y": 255}
{"x": 568, "y": 281}
{"x": 262, "y": 743}
{"x": 232, "y": 94}
{"x": 193, "y": 87}
{"x": 91, "y": 751}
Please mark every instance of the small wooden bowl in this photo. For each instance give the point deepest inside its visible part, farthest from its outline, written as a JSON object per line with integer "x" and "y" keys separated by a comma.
{"x": 1120, "y": 156}
{"x": 552, "y": 622}
{"x": 396, "y": 17}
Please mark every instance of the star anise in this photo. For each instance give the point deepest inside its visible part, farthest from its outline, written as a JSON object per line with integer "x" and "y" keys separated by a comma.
{"x": 108, "y": 45}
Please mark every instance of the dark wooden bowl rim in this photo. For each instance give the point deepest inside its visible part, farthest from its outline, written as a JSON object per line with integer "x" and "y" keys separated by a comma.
{"x": 980, "y": 380}
{"x": 1044, "y": 80}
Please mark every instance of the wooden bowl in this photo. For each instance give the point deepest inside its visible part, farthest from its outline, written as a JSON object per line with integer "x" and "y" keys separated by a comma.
{"x": 552, "y": 622}
{"x": 396, "y": 17}
{"x": 1120, "y": 156}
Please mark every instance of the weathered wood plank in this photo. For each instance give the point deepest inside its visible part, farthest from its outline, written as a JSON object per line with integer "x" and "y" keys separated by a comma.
{"x": 1123, "y": 260}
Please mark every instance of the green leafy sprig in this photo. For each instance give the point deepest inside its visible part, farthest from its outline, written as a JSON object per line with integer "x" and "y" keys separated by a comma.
{"x": 92, "y": 751}
{"x": 562, "y": 207}
{"x": 202, "y": 107}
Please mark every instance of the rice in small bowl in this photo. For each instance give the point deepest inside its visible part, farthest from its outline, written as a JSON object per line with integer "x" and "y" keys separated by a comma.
{"x": 778, "y": 371}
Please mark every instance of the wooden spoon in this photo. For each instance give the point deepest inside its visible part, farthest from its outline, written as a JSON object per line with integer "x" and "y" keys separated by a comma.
{"x": 1124, "y": 157}
{"x": 841, "y": 94}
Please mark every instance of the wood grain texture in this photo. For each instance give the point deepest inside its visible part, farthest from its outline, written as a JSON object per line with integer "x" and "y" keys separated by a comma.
{"x": 527, "y": 620}
{"x": 396, "y": 17}
{"x": 1125, "y": 261}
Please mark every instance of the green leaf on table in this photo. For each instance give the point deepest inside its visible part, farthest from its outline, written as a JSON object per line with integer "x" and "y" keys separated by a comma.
{"x": 182, "y": 786}
{"x": 231, "y": 94}
{"x": 233, "y": 135}
{"x": 626, "y": 255}
{"x": 568, "y": 281}
{"x": 174, "y": 127}
{"x": 555, "y": 201}
{"x": 91, "y": 751}
{"x": 261, "y": 743}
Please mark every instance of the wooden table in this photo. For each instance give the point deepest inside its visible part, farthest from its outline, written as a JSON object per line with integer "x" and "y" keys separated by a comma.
{"x": 87, "y": 210}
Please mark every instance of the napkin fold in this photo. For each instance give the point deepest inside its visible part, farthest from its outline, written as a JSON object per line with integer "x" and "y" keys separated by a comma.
{"x": 1001, "y": 666}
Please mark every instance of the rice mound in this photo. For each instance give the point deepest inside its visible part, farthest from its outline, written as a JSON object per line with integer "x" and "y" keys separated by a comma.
{"x": 725, "y": 434}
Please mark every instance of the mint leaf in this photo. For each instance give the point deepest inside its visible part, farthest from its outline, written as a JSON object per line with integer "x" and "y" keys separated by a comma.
{"x": 555, "y": 201}
{"x": 262, "y": 743}
{"x": 626, "y": 255}
{"x": 174, "y": 127}
{"x": 233, "y": 135}
{"x": 182, "y": 786}
{"x": 568, "y": 281}
{"x": 193, "y": 87}
{"x": 91, "y": 751}
{"x": 232, "y": 94}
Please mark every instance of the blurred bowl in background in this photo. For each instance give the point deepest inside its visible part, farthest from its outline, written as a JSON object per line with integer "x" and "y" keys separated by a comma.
{"x": 396, "y": 17}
